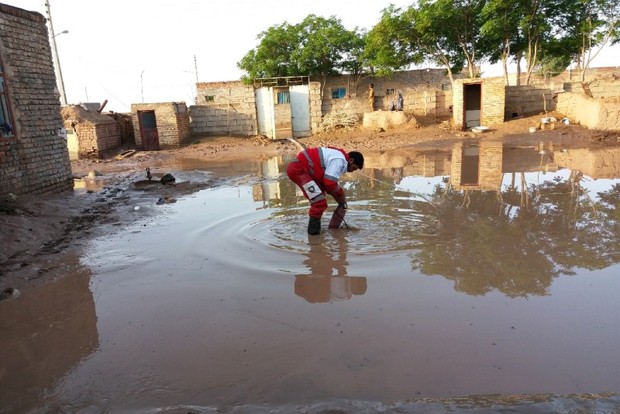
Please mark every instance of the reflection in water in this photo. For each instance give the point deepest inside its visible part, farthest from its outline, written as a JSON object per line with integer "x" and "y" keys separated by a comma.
{"x": 328, "y": 280}
{"x": 45, "y": 333}
{"x": 502, "y": 217}
{"x": 495, "y": 232}
{"x": 201, "y": 309}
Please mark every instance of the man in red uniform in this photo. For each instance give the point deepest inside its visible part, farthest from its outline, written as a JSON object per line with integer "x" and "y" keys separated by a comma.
{"x": 316, "y": 171}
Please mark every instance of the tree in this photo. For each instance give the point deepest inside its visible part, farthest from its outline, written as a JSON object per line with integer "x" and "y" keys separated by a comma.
{"x": 391, "y": 44}
{"x": 272, "y": 56}
{"x": 315, "y": 47}
{"x": 443, "y": 32}
{"x": 598, "y": 24}
{"x": 501, "y": 29}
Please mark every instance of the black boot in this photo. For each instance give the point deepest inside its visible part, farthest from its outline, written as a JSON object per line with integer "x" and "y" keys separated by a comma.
{"x": 314, "y": 226}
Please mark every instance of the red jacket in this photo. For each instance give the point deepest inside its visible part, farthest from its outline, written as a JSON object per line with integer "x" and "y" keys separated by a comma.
{"x": 312, "y": 161}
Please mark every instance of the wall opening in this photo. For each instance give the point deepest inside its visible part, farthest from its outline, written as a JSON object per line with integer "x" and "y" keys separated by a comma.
{"x": 472, "y": 104}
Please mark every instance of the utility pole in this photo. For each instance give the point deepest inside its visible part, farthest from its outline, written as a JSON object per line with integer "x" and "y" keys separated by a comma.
{"x": 196, "y": 70}
{"x": 59, "y": 81}
{"x": 142, "y": 86}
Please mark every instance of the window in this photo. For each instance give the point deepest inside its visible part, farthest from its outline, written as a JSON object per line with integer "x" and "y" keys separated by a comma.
{"x": 389, "y": 92}
{"x": 339, "y": 93}
{"x": 446, "y": 86}
{"x": 284, "y": 97}
{"x": 210, "y": 98}
{"x": 6, "y": 120}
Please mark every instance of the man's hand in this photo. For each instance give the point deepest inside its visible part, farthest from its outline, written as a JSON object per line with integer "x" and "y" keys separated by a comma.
{"x": 343, "y": 205}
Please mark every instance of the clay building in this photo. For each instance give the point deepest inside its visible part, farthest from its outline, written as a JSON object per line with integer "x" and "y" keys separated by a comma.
{"x": 33, "y": 146}
{"x": 478, "y": 102}
{"x": 89, "y": 132}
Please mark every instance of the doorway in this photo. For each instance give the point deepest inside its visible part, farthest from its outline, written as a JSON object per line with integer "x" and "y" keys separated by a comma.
{"x": 148, "y": 130}
{"x": 472, "y": 104}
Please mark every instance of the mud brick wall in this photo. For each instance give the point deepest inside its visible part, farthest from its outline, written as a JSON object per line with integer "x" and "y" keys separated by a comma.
{"x": 171, "y": 119}
{"x": 426, "y": 92}
{"x": 594, "y": 113}
{"x": 224, "y": 108}
{"x": 528, "y": 100}
{"x": 35, "y": 159}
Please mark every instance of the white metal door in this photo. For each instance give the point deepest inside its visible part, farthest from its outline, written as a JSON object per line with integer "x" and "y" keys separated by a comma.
{"x": 264, "y": 112}
{"x": 300, "y": 110}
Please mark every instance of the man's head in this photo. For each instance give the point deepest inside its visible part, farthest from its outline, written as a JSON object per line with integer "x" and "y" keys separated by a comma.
{"x": 356, "y": 161}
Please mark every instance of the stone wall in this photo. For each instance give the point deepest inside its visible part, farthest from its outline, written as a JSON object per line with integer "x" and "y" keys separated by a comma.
{"x": 224, "y": 108}
{"x": 172, "y": 121}
{"x": 34, "y": 159}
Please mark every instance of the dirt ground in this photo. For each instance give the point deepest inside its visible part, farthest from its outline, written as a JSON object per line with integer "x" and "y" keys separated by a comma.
{"x": 37, "y": 230}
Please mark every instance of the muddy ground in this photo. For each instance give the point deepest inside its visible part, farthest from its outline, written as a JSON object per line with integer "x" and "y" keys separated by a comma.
{"x": 38, "y": 230}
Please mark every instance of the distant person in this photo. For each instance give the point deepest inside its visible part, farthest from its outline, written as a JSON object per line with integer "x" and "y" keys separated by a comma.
{"x": 317, "y": 171}
{"x": 398, "y": 103}
{"x": 371, "y": 96}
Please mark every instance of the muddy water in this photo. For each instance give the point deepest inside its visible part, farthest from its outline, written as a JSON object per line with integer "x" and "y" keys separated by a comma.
{"x": 473, "y": 278}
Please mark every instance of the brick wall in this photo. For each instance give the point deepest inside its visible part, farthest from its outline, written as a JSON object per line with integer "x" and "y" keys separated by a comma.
{"x": 172, "y": 121}
{"x": 36, "y": 159}
{"x": 229, "y": 108}
{"x": 316, "y": 115}
{"x": 224, "y": 108}
{"x": 426, "y": 92}
{"x": 528, "y": 100}
{"x": 600, "y": 88}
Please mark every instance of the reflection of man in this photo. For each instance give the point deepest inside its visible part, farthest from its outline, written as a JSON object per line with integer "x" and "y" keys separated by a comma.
{"x": 321, "y": 285}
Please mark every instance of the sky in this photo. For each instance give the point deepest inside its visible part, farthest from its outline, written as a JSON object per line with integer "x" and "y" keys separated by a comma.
{"x": 132, "y": 51}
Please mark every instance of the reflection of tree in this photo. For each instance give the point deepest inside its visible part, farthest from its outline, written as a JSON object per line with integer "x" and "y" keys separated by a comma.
{"x": 517, "y": 244}
{"x": 515, "y": 241}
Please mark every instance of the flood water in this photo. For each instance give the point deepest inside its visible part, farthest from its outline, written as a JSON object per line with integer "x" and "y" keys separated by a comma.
{"x": 475, "y": 277}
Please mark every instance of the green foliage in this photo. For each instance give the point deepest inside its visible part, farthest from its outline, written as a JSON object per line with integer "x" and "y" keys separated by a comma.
{"x": 555, "y": 58}
{"x": 447, "y": 33}
{"x": 391, "y": 44}
{"x": 272, "y": 57}
{"x": 316, "y": 46}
